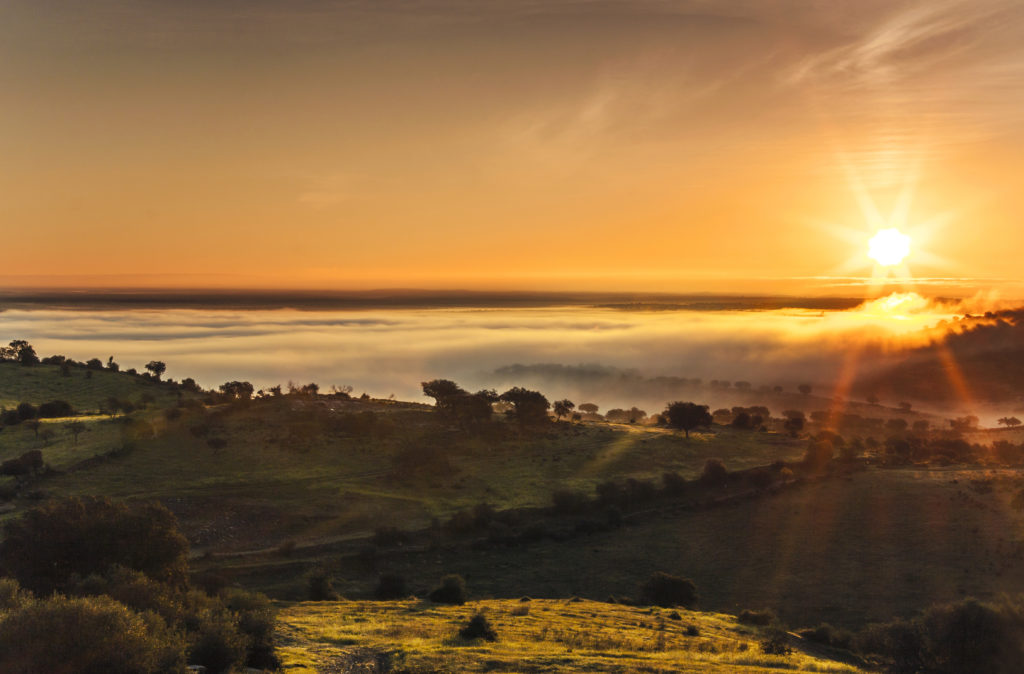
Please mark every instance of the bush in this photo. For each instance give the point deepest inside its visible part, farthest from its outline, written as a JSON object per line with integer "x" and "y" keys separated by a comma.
{"x": 829, "y": 636}
{"x": 714, "y": 474}
{"x": 665, "y": 590}
{"x": 320, "y": 587}
{"x": 256, "y": 617}
{"x": 27, "y": 411}
{"x": 451, "y": 591}
{"x": 54, "y": 409}
{"x": 86, "y": 635}
{"x": 48, "y": 545}
{"x": 776, "y": 643}
{"x": 478, "y": 627}
{"x": 391, "y": 586}
{"x": 218, "y": 646}
{"x": 762, "y": 618}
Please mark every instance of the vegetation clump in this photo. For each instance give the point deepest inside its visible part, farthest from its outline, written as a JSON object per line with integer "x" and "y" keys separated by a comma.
{"x": 451, "y": 591}
{"x": 478, "y": 627}
{"x": 665, "y": 590}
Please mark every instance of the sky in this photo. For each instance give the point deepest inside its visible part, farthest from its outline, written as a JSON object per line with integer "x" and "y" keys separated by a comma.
{"x": 687, "y": 146}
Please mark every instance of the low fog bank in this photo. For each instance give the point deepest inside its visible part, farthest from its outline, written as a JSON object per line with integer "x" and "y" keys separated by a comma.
{"x": 902, "y": 348}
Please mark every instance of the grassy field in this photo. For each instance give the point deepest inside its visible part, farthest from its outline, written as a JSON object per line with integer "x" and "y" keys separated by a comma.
{"x": 298, "y": 480}
{"x": 533, "y": 636}
{"x": 848, "y": 552}
{"x": 43, "y": 383}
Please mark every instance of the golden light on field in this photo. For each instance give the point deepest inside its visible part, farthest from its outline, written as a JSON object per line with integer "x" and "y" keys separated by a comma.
{"x": 889, "y": 247}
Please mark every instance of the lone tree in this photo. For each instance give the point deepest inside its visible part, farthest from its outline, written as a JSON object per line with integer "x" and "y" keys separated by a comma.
{"x": 237, "y": 390}
{"x": 75, "y": 428}
{"x": 588, "y": 408}
{"x": 794, "y": 422}
{"x": 805, "y": 389}
{"x": 1009, "y": 422}
{"x": 157, "y": 368}
{"x": 687, "y": 416}
{"x": 444, "y": 392}
{"x": 19, "y": 351}
{"x": 563, "y": 408}
{"x": 528, "y": 407}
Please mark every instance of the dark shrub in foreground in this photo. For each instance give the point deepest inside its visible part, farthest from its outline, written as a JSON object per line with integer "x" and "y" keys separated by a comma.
{"x": 49, "y": 544}
{"x": 86, "y": 635}
{"x": 478, "y": 628}
{"x": 451, "y": 591}
{"x": 391, "y": 586}
{"x": 666, "y": 590}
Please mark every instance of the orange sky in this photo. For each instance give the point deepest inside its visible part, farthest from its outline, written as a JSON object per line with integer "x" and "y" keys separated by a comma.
{"x": 643, "y": 145}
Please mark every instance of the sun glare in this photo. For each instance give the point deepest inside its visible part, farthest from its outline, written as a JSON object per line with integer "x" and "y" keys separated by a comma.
{"x": 889, "y": 247}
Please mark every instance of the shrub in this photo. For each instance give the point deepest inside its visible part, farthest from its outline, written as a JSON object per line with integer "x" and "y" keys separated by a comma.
{"x": 776, "y": 643}
{"x": 714, "y": 474}
{"x": 748, "y": 617}
{"x": 49, "y": 544}
{"x": 391, "y": 586}
{"x": 829, "y": 636}
{"x": 451, "y": 591}
{"x": 27, "y": 411}
{"x": 666, "y": 590}
{"x": 218, "y": 646}
{"x": 478, "y": 627}
{"x": 86, "y": 635}
{"x": 320, "y": 587}
{"x": 54, "y": 409}
{"x": 256, "y": 620}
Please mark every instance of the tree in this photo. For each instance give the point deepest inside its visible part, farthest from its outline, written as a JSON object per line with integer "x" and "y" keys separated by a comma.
{"x": 528, "y": 407}
{"x": 237, "y": 390}
{"x": 19, "y": 351}
{"x": 872, "y": 399}
{"x": 112, "y": 366}
{"x": 75, "y": 428}
{"x": 27, "y": 411}
{"x": 794, "y": 422}
{"x": 156, "y": 368}
{"x": 588, "y": 408}
{"x": 921, "y": 426}
{"x": 1009, "y": 422}
{"x": 443, "y": 391}
{"x": 805, "y": 389}
{"x": 687, "y": 416}
{"x": 563, "y": 408}
{"x": 896, "y": 424}
{"x": 51, "y": 544}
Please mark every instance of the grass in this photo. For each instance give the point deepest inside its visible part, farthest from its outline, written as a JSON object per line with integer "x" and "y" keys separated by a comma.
{"x": 552, "y": 636}
{"x": 324, "y": 484}
{"x": 43, "y": 383}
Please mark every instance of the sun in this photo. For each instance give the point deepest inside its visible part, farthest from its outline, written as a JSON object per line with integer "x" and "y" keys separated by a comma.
{"x": 889, "y": 247}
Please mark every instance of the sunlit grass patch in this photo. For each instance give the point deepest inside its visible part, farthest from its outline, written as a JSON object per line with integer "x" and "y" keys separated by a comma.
{"x": 552, "y": 636}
